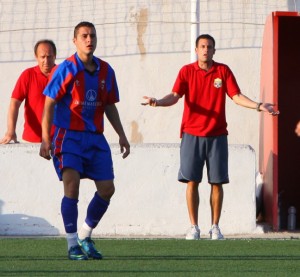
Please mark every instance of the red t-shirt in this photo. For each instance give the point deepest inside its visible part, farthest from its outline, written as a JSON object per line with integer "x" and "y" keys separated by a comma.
{"x": 205, "y": 95}
{"x": 29, "y": 87}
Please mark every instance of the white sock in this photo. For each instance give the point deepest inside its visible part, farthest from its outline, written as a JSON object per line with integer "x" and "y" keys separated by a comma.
{"x": 71, "y": 239}
{"x": 85, "y": 231}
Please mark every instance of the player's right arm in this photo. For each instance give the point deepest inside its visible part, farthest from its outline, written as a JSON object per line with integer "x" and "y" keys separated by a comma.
{"x": 12, "y": 118}
{"x": 47, "y": 120}
{"x": 169, "y": 100}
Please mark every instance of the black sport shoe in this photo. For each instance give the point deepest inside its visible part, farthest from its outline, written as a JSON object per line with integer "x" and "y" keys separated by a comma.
{"x": 87, "y": 245}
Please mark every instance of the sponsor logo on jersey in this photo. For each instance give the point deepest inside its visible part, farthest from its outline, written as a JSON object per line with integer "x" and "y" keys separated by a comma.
{"x": 91, "y": 95}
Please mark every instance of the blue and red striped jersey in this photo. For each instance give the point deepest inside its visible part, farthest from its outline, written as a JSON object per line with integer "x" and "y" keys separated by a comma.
{"x": 81, "y": 95}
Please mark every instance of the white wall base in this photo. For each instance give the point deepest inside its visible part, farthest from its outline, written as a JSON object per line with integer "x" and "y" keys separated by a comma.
{"x": 149, "y": 201}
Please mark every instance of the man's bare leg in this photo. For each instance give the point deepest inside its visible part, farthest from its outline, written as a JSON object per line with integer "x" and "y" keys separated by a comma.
{"x": 216, "y": 202}
{"x": 192, "y": 199}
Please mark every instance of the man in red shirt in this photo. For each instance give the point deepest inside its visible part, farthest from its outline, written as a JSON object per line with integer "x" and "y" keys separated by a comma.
{"x": 204, "y": 84}
{"x": 29, "y": 87}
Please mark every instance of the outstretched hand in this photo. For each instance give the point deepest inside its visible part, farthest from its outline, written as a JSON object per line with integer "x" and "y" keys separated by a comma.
{"x": 268, "y": 107}
{"x": 149, "y": 101}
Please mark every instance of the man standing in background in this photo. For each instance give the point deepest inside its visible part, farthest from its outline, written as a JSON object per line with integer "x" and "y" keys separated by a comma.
{"x": 29, "y": 87}
{"x": 204, "y": 85}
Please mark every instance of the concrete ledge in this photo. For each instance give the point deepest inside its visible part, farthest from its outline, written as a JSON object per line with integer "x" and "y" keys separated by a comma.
{"x": 149, "y": 201}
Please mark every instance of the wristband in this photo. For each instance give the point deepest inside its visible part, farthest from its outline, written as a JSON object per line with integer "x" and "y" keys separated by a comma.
{"x": 258, "y": 106}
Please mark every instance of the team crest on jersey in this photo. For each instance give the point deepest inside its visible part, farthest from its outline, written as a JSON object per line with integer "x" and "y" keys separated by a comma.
{"x": 91, "y": 95}
{"x": 217, "y": 83}
{"x": 102, "y": 84}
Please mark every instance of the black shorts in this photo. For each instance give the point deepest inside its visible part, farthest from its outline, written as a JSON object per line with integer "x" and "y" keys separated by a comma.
{"x": 197, "y": 151}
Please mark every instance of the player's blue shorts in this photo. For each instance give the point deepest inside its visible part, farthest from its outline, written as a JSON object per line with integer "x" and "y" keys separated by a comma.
{"x": 195, "y": 152}
{"x": 86, "y": 152}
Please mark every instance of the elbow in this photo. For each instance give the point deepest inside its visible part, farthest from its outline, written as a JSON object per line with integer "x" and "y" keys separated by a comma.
{"x": 236, "y": 102}
{"x": 237, "y": 99}
{"x": 176, "y": 98}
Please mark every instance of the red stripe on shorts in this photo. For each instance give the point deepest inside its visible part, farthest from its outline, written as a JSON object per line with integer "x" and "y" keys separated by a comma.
{"x": 58, "y": 141}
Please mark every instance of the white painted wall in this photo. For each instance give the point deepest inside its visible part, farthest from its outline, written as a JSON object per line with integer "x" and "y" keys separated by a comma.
{"x": 149, "y": 201}
{"x": 146, "y": 42}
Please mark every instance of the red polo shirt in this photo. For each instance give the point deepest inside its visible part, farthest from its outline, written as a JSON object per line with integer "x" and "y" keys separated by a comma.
{"x": 29, "y": 87}
{"x": 205, "y": 95}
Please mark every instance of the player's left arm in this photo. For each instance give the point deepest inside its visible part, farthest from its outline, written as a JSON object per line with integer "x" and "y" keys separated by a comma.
{"x": 242, "y": 100}
{"x": 112, "y": 115}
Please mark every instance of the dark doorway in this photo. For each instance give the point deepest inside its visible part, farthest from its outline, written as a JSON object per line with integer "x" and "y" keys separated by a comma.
{"x": 289, "y": 106}
{"x": 279, "y": 147}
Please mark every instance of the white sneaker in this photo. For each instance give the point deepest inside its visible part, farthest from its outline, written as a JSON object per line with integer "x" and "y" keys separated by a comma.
{"x": 193, "y": 233}
{"x": 215, "y": 233}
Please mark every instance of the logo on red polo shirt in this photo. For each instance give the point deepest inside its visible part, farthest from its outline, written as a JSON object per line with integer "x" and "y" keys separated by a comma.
{"x": 218, "y": 83}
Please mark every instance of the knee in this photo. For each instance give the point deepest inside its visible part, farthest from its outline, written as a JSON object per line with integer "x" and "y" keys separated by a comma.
{"x": 71, "y": 191}
{"x": 217, "y": 189}
{"x": 110, "y": 191}
{"x": 106, "y": 192}
{"x": 192, "y": 185}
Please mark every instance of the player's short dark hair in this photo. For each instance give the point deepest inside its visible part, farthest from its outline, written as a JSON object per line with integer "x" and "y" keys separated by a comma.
{"x": 48, "y": 41}
{"x": 206, "y": 36}
{"x": 83, "y": 24}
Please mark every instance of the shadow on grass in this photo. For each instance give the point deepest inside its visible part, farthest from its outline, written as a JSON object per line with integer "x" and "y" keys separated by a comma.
{"x": 151, "y": 266}
{"x": 158, "y": 258}
{"x": 213, "y": 258}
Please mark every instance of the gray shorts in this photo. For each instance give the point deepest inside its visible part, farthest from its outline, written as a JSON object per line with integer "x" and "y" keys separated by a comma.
{"x": 196, "y": 151}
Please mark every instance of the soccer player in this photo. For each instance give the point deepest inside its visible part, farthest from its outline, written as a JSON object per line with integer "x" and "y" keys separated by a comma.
{"x": 82, "y": 88}
{"x": 29, "y": 87}
{"x": 205, "y": 84}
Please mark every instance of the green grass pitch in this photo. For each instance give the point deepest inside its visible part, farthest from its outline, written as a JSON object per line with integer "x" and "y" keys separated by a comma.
{"x": 153, "y": 257}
